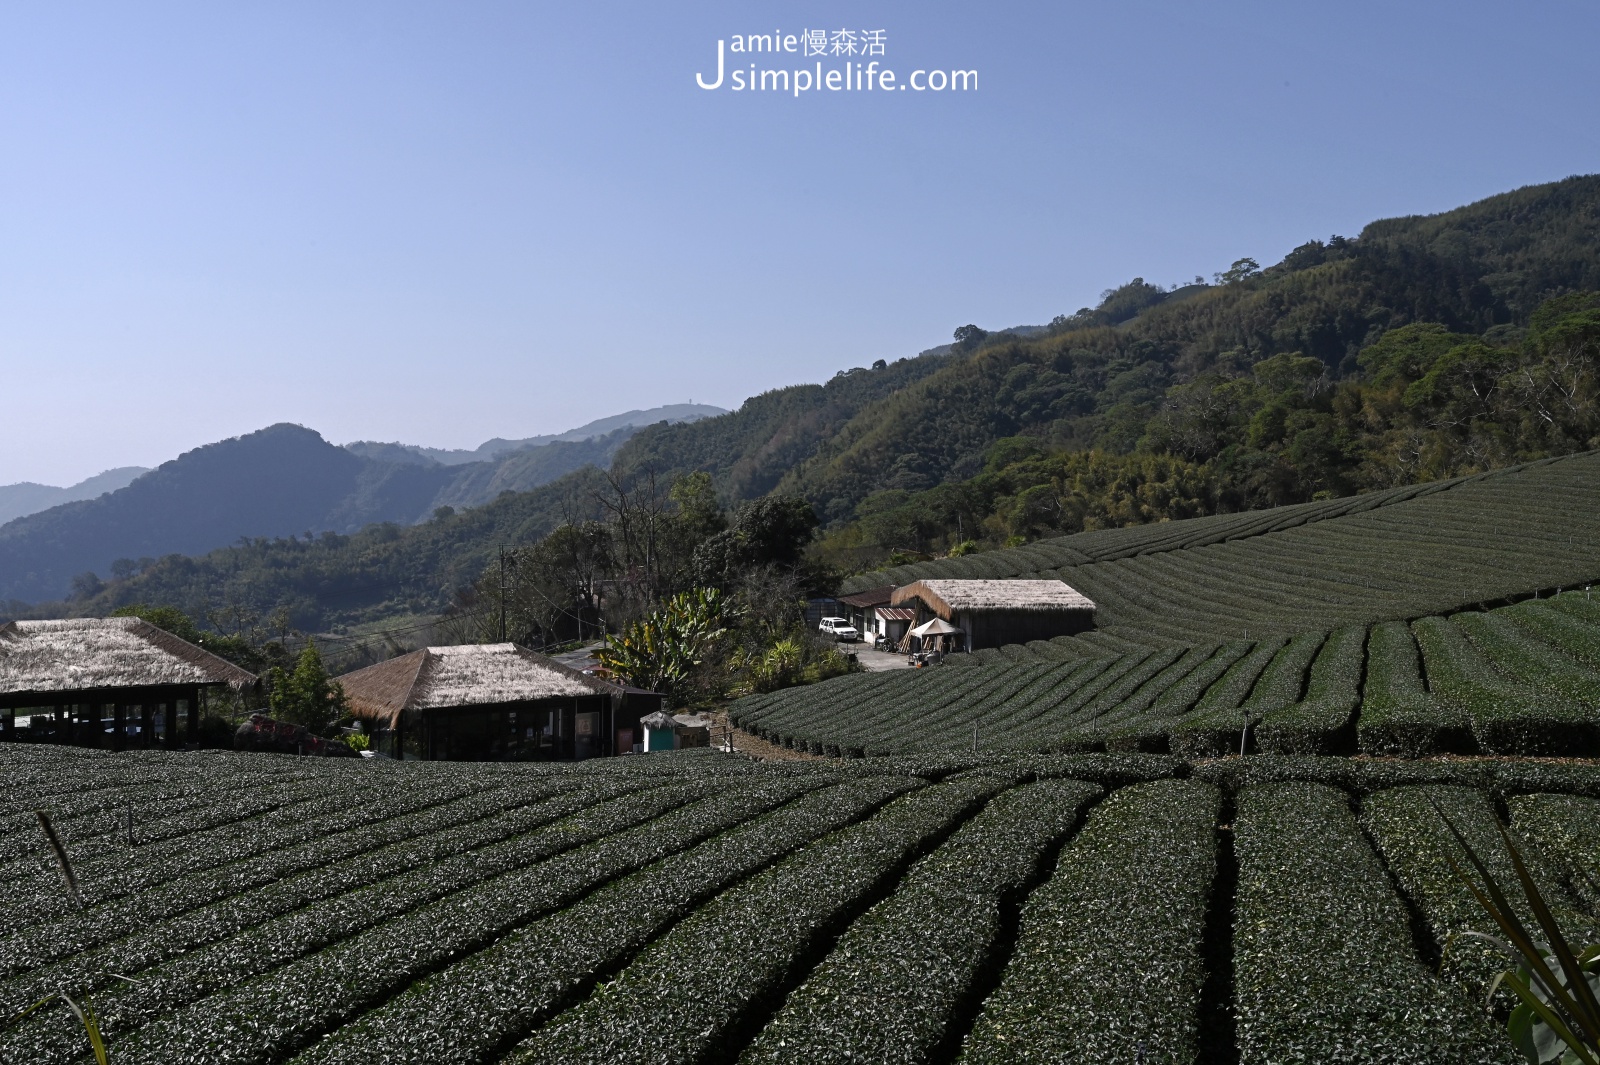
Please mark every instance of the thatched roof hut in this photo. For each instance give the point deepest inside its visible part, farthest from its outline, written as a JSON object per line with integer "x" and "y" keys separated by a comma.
{"x": 106, "y": 681}
{"x": 85, "y": 654}
{"x": 491, "y": 701}
{"x": 469, "y": 675}
{"x": 947, "y": 598}
{"x": 996, "y": 612}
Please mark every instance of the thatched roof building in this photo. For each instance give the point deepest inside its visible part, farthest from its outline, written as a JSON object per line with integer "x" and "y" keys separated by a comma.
{"x": 489, "y": 701}
{"x": 996, "y": 612}
{"x": 105, "y": 681}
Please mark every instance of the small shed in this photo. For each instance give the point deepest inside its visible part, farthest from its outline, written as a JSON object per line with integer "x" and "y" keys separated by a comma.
{"x": 672, "y": 732}
{"x": 892, "y": 622}
{"x": 871, "y": 612}
{"x": 493, "y": 702}
{"x": 998, "y": 612}
{"x": 105, "y": 682}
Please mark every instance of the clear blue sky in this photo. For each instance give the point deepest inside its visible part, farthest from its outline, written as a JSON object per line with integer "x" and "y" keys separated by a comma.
{"x": 439, "y": 223}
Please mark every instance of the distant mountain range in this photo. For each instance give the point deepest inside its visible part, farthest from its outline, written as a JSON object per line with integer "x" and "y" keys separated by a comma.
{"x": 17, "y": 500}
{"x": 285, "y": 480}
{"x": 633, "y": 419}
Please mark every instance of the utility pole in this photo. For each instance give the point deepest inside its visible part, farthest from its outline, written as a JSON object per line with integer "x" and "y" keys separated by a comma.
{"x": 502, "y": 593}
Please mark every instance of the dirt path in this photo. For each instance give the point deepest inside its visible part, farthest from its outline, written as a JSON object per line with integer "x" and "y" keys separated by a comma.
{"x": 758, "y": 748}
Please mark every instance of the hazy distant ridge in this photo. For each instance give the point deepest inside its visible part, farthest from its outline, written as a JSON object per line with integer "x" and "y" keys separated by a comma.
{"x": 396, "y": 452}
{"x": 17, "y": 500}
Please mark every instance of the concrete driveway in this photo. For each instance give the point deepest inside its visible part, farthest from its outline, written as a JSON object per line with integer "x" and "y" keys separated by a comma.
{"x": 875, "y": 661}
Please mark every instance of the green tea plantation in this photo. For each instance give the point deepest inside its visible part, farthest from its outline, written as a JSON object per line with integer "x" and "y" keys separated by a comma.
{"x": 1215, "y": 829}
{"x": 704, "y": 908}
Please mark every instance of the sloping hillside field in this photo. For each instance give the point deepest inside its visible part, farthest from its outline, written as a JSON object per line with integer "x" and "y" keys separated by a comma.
{"x": 1454, "y": 617}
{"x": 683, "y": 908}
{"x": 1405, "y": 553}
{"x": 1517, "y": 680}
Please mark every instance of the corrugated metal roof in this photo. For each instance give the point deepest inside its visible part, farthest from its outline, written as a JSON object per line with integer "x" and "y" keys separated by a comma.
{"x": 897, "y": 613}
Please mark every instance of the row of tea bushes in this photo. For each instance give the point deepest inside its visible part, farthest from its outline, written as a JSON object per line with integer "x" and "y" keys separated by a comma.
{"x": 711, "y": 976}
{"x": 277, "y": 1015}
{"x": 1405, "y": 824}
{"x": 1512, "y": 681}
{"x": 1448, "y": 548}
{"x": 1505, "y": 718}
{"x": 143, "y": 931}
{"x": 144, "y": 867}
{"x": 814, "y": 911}
{"x": 891, "y": 986}
{"x": 1318, "y": 722}
{"x": 1108, "y": 965}
{"x": 1565, "y": 829}
{"x": 1273, "y": 674}
{"x": 1324, "y": 965}
{"x": 366, "y": 935}
{"x": 475, "y": 1009}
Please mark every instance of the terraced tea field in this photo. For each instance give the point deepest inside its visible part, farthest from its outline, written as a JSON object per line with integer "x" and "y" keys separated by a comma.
{"x": 1517, "y": 680}
{"x": 702, "y": 908}
{"x": 1410, "y": 552}
{"x": 1423, "y": 620}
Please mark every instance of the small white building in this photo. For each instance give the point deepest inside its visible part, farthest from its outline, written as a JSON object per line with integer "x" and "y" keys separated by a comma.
{"x": 872, "y": 613}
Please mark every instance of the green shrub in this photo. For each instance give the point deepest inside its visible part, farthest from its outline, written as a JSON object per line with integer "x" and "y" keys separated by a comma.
{"x": 890, "y": 986}
{"x": 1398, "y": 715}
{"x": 1109, "y": 954}
{"x": 1318, "y": 724}
{"x": 1314, "y": 911}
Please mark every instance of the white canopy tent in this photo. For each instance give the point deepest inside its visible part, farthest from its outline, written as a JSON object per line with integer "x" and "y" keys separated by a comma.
{"x": 937, "y": 634}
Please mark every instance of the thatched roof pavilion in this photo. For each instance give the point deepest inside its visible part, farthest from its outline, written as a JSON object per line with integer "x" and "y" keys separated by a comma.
{"x": 105, "y": 682}
{"x": 489, "y": 701}
{"x": 996, "y": 612}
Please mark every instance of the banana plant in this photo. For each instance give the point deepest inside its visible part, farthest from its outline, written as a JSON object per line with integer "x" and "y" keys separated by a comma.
{"x": 663, "y": 650}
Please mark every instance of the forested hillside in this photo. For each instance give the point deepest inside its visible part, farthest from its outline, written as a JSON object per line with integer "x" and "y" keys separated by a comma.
{"x": 749, "y": 451}
{"x": 1157, "y": 371}
{"x": 383, "y": 571}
